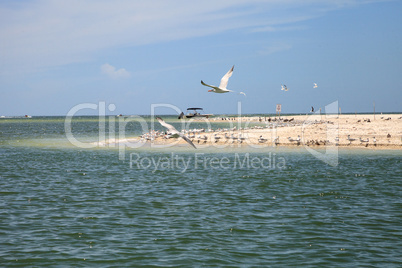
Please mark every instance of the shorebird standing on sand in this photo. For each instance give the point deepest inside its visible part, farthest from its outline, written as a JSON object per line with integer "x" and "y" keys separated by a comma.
{"x": 227, "y": 137}
{"x": 276, "y": 141}
{"x": 350, "y": 139}
{"x": 241, "y": 139}
{"x": 336, "y": 140}
{"x": 233, "y": 138}
{"x": 364, "y": 141}
{"x": 361, "y": 140}
{"x": 261, "y": 139}
{"x": 217, "y": 138}
{"x": 291, "y": 139}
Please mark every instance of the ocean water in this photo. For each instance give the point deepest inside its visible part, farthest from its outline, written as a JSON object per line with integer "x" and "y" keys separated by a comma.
{"x": 61, "y": 205}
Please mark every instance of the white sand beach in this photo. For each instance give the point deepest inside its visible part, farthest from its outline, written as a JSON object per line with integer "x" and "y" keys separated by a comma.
{"x": 364, "y": 130}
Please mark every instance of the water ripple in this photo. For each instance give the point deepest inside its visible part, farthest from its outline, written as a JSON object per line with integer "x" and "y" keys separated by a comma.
{"x": 62, "y": 207}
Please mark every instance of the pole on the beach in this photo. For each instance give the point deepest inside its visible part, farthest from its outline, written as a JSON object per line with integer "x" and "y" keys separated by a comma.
{"x": 239, "y": 114}
{"x": 278, "y": 110}
{"x": 374, "y": 109}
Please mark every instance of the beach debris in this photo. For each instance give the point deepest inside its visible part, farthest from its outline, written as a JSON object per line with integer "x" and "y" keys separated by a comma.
{"x": 389, "y": 135}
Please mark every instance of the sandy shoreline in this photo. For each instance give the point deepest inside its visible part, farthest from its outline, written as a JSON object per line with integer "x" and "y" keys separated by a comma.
{"x": 367, "y": 130}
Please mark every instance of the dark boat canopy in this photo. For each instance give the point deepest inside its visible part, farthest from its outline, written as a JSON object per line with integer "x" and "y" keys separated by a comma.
{"x": 194, "y": 109}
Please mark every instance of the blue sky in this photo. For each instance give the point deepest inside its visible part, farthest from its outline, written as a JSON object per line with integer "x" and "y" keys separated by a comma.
{"x": 55, "y": 55}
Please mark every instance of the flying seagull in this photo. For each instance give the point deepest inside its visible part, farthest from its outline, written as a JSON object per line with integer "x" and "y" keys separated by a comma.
{"x": 315, "y": 85}
{"x": 173, "y": 132}
{"x": 224, "y": 82}
{"x": 243, "y": 93}
{"x": 284, "y": 87}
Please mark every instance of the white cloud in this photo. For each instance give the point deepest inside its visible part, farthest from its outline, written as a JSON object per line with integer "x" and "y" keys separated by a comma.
{"x": 111, "y": 71}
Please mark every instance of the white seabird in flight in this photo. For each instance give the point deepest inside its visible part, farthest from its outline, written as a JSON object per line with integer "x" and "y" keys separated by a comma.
{"x": 315, "y": 85}
{"x": 284, "y": 87}
{"x": 173, "y": 131}
{"x": 222, "y": 86}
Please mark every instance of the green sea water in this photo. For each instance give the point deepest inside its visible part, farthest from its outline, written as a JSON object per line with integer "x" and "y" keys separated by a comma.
{"x": 61, "y": 205}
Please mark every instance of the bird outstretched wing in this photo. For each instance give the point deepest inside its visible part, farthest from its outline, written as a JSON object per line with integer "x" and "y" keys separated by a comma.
{"x": 187, "y": 140}
{"x": 173, "y": 130}
{"x": 202, "y": 82}
{"x": 225, "y": 78}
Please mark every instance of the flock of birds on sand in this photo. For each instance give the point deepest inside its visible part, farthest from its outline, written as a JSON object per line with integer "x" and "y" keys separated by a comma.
{"x": 190, "y": 136}
{"x": 198, "y": 136}
{"x": 172, "y": 132}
